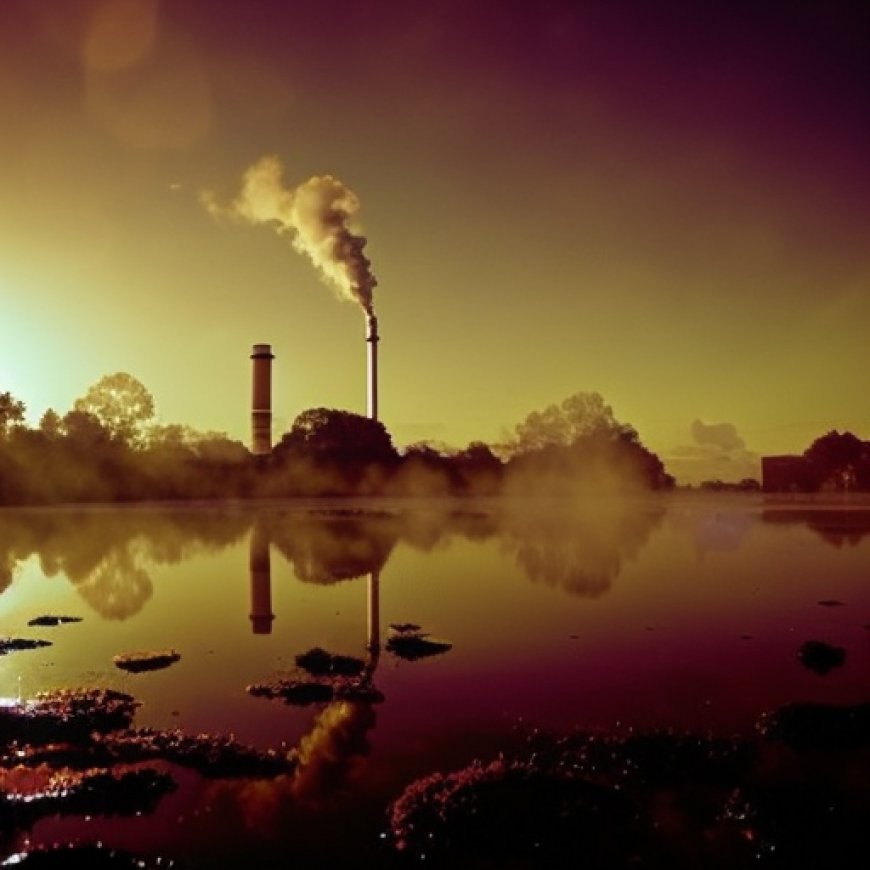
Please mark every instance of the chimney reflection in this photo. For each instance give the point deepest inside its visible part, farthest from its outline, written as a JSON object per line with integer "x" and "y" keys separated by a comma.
{"x": 261, "y": 581}
{"x": 373, "y": 641}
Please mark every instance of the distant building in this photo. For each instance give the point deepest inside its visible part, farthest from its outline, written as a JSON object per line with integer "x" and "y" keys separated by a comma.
{"x": 785, "y": 474}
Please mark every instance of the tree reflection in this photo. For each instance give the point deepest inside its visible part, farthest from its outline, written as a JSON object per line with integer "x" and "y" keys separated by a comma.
{"x": 118, "y": 587}
{"x": 837, "y": 527}
{"x": 578, "y": 549}
{"x": 105, "y": 553}
{"x": 326, "y": 548}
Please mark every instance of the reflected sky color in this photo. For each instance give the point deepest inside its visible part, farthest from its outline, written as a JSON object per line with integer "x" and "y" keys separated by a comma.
{"x": 672, "y": 597}
{"x": 665, "y": 206}
{"x": 678, "y": 612}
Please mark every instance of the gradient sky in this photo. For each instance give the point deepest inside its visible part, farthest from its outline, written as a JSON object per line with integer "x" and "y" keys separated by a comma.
{"x": 668, "y": 203}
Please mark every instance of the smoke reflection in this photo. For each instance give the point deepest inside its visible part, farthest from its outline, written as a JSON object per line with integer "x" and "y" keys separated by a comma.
{"x": 328, "y": 754}
{"x": 330, "y": 758}
{"x": 7, "y": 571}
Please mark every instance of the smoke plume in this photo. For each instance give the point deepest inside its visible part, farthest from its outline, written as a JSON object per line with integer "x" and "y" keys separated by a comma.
{"x": 316, "y": 215}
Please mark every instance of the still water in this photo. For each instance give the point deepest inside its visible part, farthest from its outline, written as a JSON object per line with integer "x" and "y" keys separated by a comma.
{"x": 684, "y": 611}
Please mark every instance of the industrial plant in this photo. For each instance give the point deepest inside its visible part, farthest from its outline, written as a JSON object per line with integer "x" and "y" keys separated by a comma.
{"x": 261, "y": 388}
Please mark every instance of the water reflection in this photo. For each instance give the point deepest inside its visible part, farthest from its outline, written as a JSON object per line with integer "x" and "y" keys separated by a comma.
{"x": 8, "y": 564}
{"x": 328, "y": 754}
{"x": 261, "y": 580}
{"x": 373, "y": 612}
{"x": 330, "y": 758}
{"x": 118, "y": 586}
{"x": 837, "y": 527}
{"x": 580, "y": 549}
{"x": 454, "y": 567}
{"x": 331, "y": 546}
{"x": 712, "y": 531}
{"x": 107, "y": 553}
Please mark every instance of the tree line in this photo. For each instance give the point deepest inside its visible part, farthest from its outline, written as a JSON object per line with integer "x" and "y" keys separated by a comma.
{"x": 834, "y": 462}
{"x": 109, "y": 448}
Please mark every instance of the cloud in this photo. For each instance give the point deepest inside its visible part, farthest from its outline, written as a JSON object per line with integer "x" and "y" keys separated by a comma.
{"x": 717, "y": 452}
{"x": 722, "y": 435}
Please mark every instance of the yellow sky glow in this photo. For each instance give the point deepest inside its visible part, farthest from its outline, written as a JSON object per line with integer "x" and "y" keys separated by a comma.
{"x": 537, "y": 223}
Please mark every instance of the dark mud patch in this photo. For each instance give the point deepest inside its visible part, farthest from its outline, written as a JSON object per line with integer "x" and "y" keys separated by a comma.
{"x": 408, "y": 641}
{"x": 68, "y": 715}
{"x": 508, "y": 810}
{"x": 45, "y": 792}
{"x": 585, "y": 800}
{"x": 412, "y": 648}
{"x": 72, "y": 753}
{"x": 810, "y": 726}
{"x": 820, "y": 657}
{"x": 137, "y": 662}
{"x": 303, "y": 692}
{"x": 800, "y": 820}
{"x": 788, "y": 795}
{"x": 48, "y": 620}
{"x": 93, "y": 857}
{"x": 831, "y": 602}
{"x": 320, "y": 663}
{"x": 212, "y": 756}
{"x": 15, "y": 644}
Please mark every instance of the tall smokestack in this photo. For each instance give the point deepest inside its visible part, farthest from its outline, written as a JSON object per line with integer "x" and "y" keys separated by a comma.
{"x": 372, "y": 338}
{"x": 261, "y": 400}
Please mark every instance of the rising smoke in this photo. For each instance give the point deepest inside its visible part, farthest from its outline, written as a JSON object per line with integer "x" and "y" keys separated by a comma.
{"x": 316, "y": 215}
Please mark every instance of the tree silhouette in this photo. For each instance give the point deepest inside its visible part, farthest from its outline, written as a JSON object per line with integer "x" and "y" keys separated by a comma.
{"x": 839, "y": 461}
{"x": 479, "y": 470}
{"x": 50, "y": 424}
{"x": 122, "y": 405}
{"x": 11, "y": 412}
{"x": 580, "y": 416}
{"x": 328, "y": 435}
{"x": 84, "y": 430}
{"x": 579, "y": 446}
